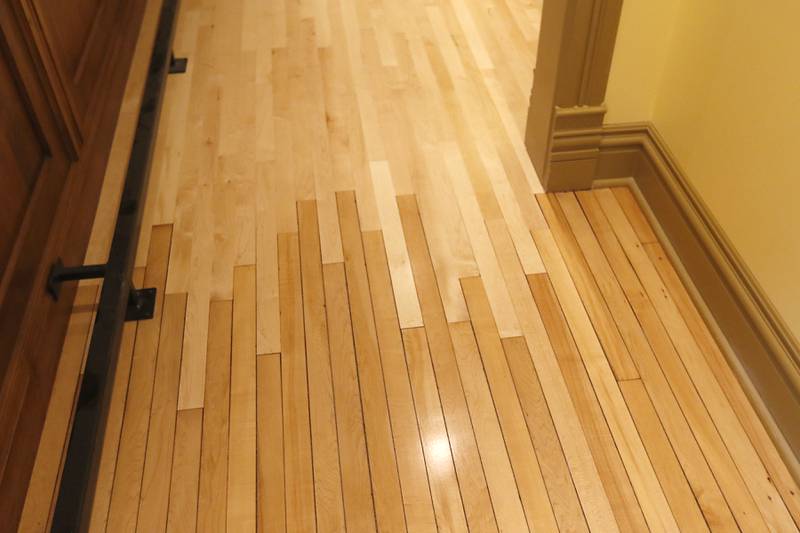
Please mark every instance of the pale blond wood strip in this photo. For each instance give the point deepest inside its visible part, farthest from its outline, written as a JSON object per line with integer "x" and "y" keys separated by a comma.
{"x": 779, "y": 473}
{"x": 182, "y": 514}
{"x": 325, "y": 447}
{"x": 750, "y": 466}
{"x": 407, "y": 443}
{"x": 472, "y": 481}
{"x": 589, "y": 413}
{"x": 497, "y": 465}
{"x": 476, "y": 44}
{"x": 154, "y": 500}
{"x": 243, "y": 225}
{"x": 388, "y": 85}
{"x": 555, "y": 471}
{"x": 241, "y": 513}
{"x": 271, "y": 497}
{"x": 462, "y": 97}
{"x": 531, "y": 486}
{"x": 358, "y": 505}
{"x": 55, "y": 433}
{"x": 512, "y": 70}
{"x": 213, "y": 490}
{"x": 385, "y": 46}
{"x": 322, "y": 23}
{"x": 278, "y": 20}
{"x": 422, "y": 127}
{"x": 641, "y": 329}
{"x": 636, "y": 217}
{"x": 488, "y": 266}
{"x": 519, "y": 170}
{"x": 116, "y": 413}
{"x": 124, "y": 506}
{"x": 405, "y": 292}
{"x": 669, "y": 472}
{"x": 193, "y": 244}
{"x": 441, "y": 472}
{"x": 281, "y": 170}
{"x": 615, "y": 349}
{"x": 268, "y": 305}
{"x": 587, "y": 479}
{"x": 724, "y": 470}
{"x": 510, "y": 123}
{"x": 201, "y": 126}
{"x": 319, "y": 137}
{"x": 383, "y": 463}
{"x": 298, "y": 469}
{"x": 338, "y": 102}
{"x": 640, "y": 470}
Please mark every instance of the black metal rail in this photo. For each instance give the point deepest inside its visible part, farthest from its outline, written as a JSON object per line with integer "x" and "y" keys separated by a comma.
{"x": 119, "y": 300}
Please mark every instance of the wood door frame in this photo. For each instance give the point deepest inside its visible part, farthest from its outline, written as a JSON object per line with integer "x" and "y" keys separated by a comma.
{"x": 576, "y": 45}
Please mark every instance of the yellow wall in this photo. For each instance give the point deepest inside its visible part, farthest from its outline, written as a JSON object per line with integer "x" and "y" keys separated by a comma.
{"x": 721, "y": 82}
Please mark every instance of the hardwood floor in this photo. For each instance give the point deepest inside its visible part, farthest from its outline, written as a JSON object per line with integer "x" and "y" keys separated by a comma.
{"x": 371, "y": 319}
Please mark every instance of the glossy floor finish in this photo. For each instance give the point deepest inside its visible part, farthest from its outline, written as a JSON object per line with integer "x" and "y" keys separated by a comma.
{"x": 372, "y": 321}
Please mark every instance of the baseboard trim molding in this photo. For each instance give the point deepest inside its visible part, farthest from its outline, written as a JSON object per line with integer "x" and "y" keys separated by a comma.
{"x": 760, "y": 341}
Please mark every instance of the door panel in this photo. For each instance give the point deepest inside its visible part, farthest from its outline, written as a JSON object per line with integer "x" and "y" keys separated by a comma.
{"x": 22, "y": 155}
{"x": 74, "y": 39}
{"x": 63, "y": 67}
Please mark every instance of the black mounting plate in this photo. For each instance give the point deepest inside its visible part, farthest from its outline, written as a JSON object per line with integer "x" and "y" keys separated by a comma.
{"x": 141, "y": 304}
{"x": 177, "y": 65}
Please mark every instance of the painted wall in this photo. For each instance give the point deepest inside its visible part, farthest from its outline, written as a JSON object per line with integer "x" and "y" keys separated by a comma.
{"x": 721, "y": 82}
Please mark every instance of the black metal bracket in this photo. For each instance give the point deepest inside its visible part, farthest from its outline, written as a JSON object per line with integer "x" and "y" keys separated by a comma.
{"x": 177, "y": 65}
{"x": 118, "y": 301}
{"x": 141, "y": 302}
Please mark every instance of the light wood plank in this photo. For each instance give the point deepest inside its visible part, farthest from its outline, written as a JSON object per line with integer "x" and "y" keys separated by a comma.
{"x": 472, "y": 481}
{"x": 298, "y": 470}
{"x": 241, "y": 512}
{"x": 212, "y": 508}
{"x": 407, "y": 443}
{"x": 531, "y": 486}
{"x": 435, "y": 440}
{"x": 405, "y": 292}
{"x": 271, "y": 495}
{"x": 325, "y": 447}
{"x": 615, "y": 349}
{"x": 268, "y": 310}
{"x": 497, "y": 465}
{"x": 383, "y": 463}
{"x": 488, "y": 266}
{"x": 154, "y": 502}
{"x": 358, "y": 505}
{"x": 557, "y": 477}
{"x": 588, "y": 410}
{"x": 183, "y": 488}
{"x": 124, "y": 506}
{"x": 636, "y": 217}
{"x": 676, "y": 488}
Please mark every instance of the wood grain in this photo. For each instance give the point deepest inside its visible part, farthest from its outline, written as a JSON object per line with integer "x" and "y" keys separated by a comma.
{"x": 212, "y": 511}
